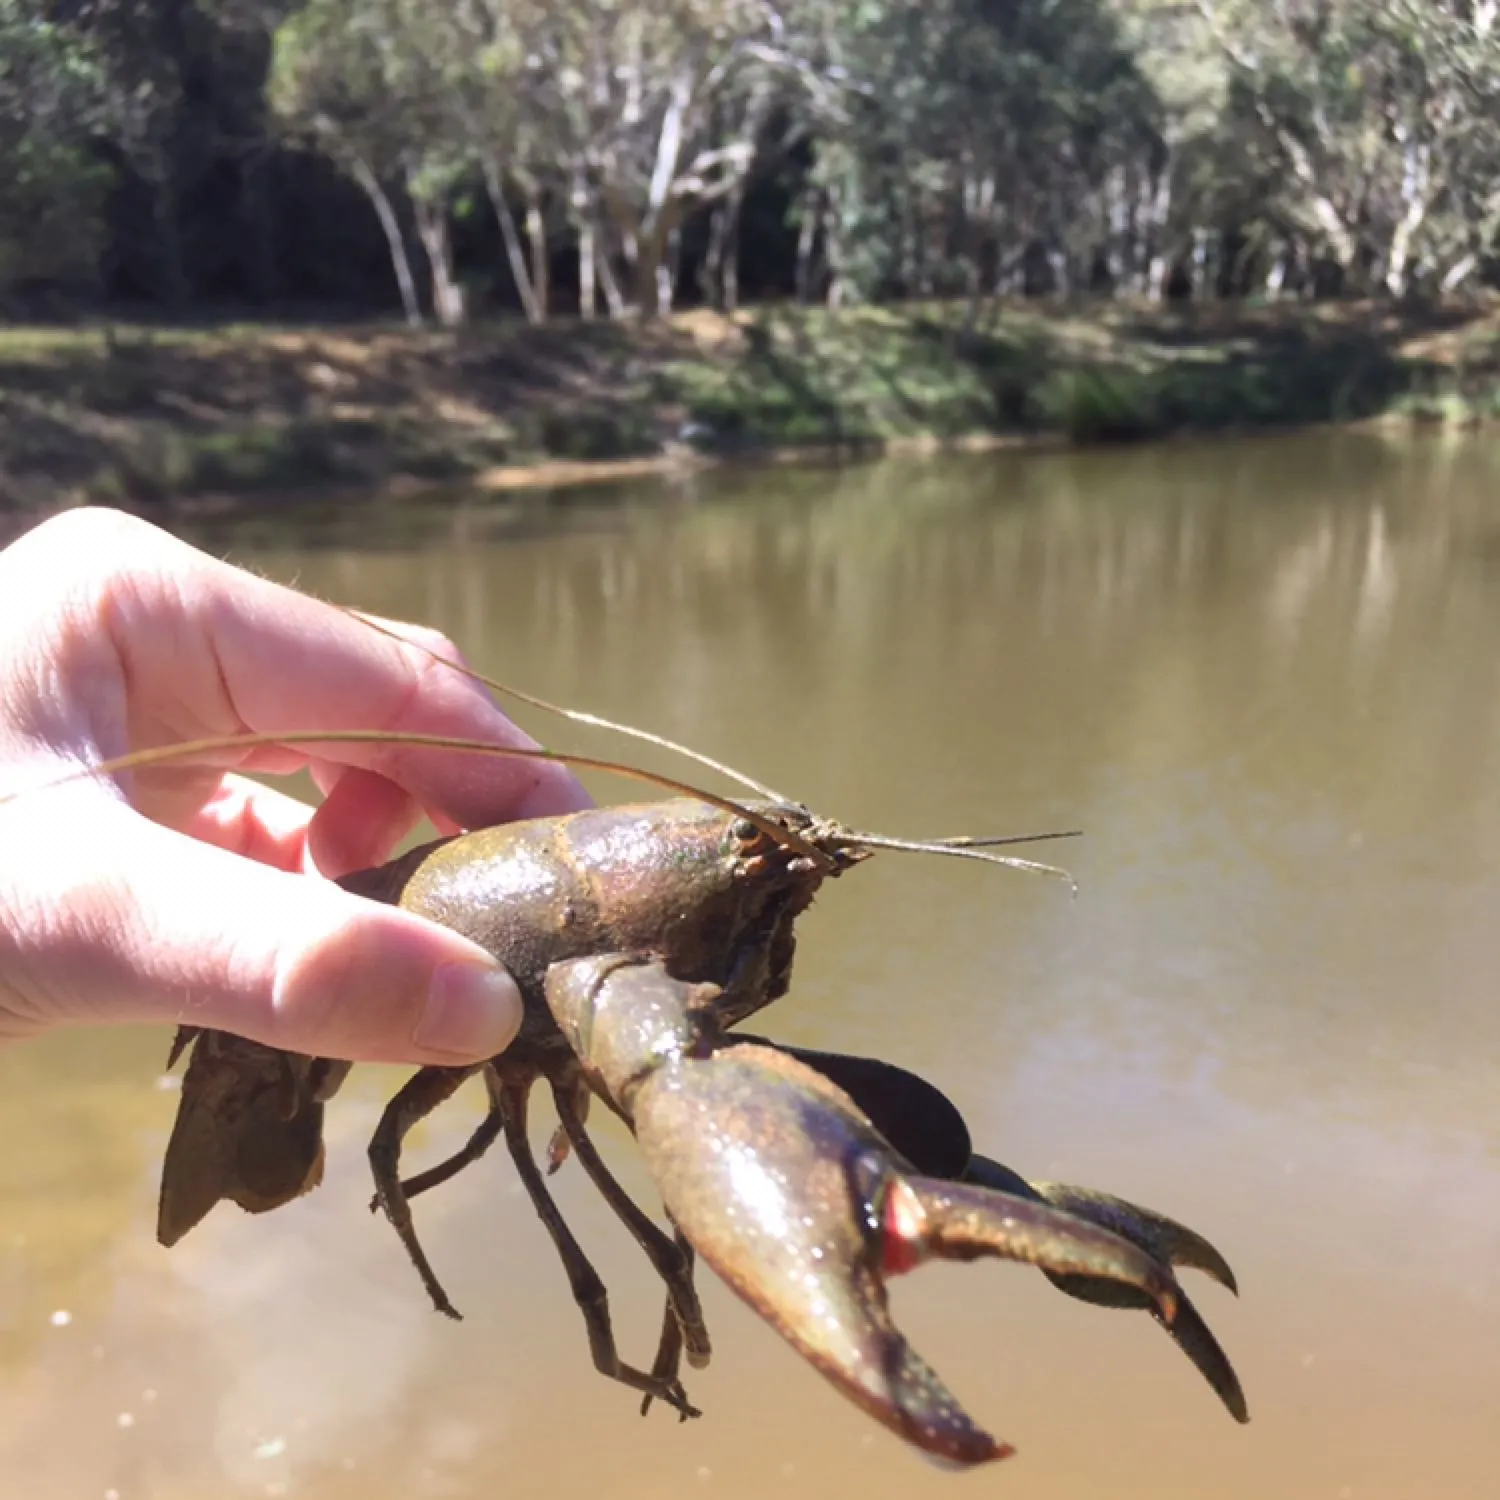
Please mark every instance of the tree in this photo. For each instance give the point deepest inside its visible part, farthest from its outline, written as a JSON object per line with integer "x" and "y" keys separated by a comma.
{"x": 335, "y": 80}
{"x": 652, "y": 114}
{"x": 961, "y": 138}
{"x": 886, "y": 147}
{"x": 1382, "y": 116}
{"x": 52, "y": 184}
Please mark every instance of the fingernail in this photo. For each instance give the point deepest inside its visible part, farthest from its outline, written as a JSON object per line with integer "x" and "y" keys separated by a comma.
{"x": 473, "y": 1011}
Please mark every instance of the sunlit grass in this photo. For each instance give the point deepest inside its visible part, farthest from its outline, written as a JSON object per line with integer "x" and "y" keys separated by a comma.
{"x": 123, "y": 411}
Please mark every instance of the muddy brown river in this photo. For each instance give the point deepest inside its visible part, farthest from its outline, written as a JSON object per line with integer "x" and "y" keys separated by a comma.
{"x": 1264, "y": 678}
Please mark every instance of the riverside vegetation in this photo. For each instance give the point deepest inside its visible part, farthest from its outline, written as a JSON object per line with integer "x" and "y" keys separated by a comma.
{"x": 268, "y": 242}
{"x": 150, "y": 416}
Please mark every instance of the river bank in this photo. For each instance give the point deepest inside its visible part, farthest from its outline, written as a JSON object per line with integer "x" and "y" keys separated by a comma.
{"x": 139, "y": 416}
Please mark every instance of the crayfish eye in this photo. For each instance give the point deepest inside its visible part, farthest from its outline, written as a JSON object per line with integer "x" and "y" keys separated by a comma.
{"x": 748, "y": 835}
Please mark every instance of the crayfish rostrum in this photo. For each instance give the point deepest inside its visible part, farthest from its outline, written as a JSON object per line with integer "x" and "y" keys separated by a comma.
{"x": 640, "y": 937}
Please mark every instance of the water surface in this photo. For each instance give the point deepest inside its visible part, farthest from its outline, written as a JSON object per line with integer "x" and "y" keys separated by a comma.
{"x": 1262, "y": 676}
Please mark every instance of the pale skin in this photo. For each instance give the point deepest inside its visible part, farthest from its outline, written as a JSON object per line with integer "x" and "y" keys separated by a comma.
{"x": 192, "y": 894}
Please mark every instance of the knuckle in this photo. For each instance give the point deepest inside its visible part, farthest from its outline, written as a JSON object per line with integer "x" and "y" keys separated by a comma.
{"x": 93, "y": 542}
{"x": 75, "y": 570}
{"x": 434, "y": 640}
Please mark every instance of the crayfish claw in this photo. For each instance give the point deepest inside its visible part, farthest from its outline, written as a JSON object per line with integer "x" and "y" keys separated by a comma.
{"x": 1194, "y": 1337}
{"x": 913, "y": 1115}
{"x": 801, "y": 1206}
{"x": 1167, "y": 1242}
{"x": 960, "y": 1221}
{"x": 1171, "y": 1244}
{"x": 1163, "y": 1239}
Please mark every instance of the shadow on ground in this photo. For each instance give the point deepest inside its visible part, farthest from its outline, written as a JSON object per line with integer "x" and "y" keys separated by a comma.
{"x": 143, "y": 415}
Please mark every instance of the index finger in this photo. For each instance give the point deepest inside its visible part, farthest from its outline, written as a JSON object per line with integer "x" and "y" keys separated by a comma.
{"x": 174, "y": 644}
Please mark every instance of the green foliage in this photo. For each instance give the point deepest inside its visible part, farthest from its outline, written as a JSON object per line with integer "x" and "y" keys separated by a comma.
{"x": 1100, "y": 404}
{"x": 105, "y": 418}
{"x": 967, "y": 118}
{"x": 51, "y": 185}
{"x": 916, "y": 147}
{"x": 1381, "y": 119}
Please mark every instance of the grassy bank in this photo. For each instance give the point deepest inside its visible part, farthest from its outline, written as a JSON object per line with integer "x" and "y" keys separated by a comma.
{"x": 128, "y": 415}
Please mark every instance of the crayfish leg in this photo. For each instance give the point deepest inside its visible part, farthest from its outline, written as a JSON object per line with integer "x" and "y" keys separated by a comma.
{"x": 417, "y": 1098}
{"x": 665, "y": 1253}
{"x": 561, "y": 1144}
{"x": 588, "y": 1287}
{"x": 668, "y": 1359}
{"x": 486, "y": 1133}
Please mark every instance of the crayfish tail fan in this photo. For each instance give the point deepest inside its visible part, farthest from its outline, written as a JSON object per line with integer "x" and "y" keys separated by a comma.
{"x": 249, "y": 1129}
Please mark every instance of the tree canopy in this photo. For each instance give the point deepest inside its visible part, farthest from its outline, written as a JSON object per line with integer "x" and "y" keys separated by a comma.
{"x": 450, "y": 156}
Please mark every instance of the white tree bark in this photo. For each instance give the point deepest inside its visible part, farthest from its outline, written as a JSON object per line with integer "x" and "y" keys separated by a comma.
{"x": 395, "y": 241}
{"x": 515, "y": 256}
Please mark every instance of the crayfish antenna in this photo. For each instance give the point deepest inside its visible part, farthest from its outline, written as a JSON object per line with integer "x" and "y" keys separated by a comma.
{"x": 969, "y": 848}
{"x": 576, "y": 715}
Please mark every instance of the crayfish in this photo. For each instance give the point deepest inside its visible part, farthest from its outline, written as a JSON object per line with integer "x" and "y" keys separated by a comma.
{"x": 640, "y": 937}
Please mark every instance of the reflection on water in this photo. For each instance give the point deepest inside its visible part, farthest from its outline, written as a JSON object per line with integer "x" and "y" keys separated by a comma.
{"x": 1261, "y": 676}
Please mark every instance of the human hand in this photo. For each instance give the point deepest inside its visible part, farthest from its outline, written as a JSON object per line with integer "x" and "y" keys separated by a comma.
{"x": 189, "y": 893}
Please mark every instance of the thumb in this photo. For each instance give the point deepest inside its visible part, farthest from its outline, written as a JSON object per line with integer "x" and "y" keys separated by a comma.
{"x": 151, "y": 925}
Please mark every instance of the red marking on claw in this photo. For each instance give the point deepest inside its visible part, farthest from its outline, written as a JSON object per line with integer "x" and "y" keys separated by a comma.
{"x": 903, "y": 1245}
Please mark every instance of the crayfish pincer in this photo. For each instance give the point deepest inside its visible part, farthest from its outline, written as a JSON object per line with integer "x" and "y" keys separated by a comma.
{"x": 781, "y": 1183}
